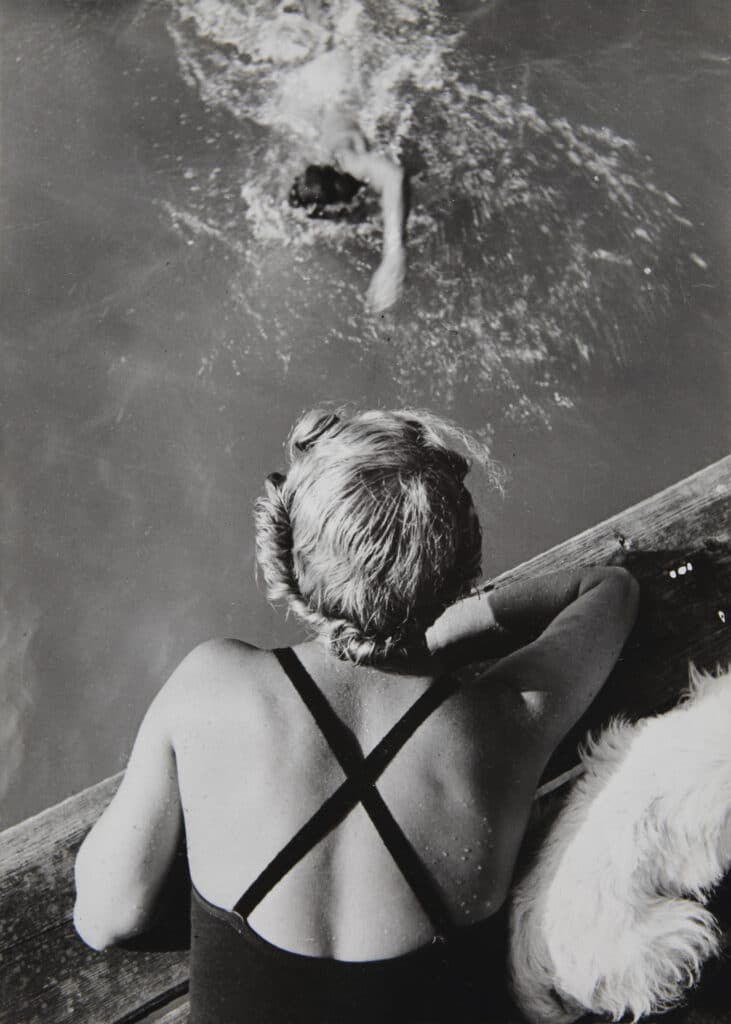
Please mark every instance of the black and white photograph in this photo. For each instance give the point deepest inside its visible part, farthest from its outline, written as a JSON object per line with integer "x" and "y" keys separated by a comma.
{"x": 365, "y": 548}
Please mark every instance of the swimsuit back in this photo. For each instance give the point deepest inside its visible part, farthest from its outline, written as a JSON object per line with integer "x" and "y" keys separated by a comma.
{"x": 238, "y": 977}
{"x": 359, "y": 787}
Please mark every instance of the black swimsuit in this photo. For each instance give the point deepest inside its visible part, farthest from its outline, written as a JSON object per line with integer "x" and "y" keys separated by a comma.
{"x": 237, "y": 977}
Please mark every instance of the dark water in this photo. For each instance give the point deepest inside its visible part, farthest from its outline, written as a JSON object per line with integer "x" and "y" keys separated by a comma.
{"x": 163, "y": 322}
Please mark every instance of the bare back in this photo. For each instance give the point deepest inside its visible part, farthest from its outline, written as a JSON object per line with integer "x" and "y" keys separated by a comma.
{"x": 253, "y": 767}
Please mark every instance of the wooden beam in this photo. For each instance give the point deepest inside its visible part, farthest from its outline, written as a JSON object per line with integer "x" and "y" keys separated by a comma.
{"x": 680, "y": 516}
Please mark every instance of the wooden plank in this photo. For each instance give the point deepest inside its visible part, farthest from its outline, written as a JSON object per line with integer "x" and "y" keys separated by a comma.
{"x": 49, "y": 976}
{"x": 679, "y": 516}
{"x": 177, "y": 1012}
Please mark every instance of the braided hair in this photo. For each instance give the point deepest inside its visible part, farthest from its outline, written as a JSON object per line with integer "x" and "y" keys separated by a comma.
{"x": 371, "y": 533}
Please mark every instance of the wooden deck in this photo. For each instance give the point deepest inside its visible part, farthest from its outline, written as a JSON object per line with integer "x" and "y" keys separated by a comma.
{"x": 47, "y": 975}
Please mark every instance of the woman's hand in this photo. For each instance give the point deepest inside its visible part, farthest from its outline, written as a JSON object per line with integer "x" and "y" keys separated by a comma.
{"x": 466, "y": 619}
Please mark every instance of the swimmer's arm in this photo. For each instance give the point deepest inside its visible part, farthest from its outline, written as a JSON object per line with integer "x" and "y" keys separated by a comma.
{"x": 123, "y": 862}
{"x": 577, "y": 623}
{"x": 387, "y": 178}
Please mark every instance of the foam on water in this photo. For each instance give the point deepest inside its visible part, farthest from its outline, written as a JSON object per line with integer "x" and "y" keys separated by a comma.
{"x": 538, "y": 247}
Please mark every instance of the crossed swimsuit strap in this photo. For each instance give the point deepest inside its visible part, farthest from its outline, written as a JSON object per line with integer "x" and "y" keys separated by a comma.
{"x": 359, "y": 787}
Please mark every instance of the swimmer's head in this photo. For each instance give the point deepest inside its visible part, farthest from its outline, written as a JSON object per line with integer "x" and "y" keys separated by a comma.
{"x": 322, "y": 186}
{"x": 371, "y": 533}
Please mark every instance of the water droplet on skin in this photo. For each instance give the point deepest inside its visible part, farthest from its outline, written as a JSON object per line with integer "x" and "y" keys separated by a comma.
{"x": 444, "y": 853}
{"x": 479, "y": 867}
{"x": 467, "y": 849}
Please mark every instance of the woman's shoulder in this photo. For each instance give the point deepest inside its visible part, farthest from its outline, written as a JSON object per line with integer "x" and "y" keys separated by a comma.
{"x": 218, "y": 655}
{"x": 212, "y": 670}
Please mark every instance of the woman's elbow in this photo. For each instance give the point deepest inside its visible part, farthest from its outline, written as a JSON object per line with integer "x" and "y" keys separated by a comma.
{"x": 91, "y": 929}
{"x": 103, "y": 914}
{"x": 101, "y": 925}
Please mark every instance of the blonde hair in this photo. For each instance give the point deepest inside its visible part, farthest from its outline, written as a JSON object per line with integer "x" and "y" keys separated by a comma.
{"x": 371, "y": 533}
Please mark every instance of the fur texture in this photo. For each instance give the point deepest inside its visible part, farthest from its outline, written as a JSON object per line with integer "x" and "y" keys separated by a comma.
{"x": 611, "y": 917}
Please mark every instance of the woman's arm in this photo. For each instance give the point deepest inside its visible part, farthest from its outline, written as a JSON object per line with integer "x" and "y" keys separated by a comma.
{"x": 123, "y": 861}
{"x": 576, "y": 623}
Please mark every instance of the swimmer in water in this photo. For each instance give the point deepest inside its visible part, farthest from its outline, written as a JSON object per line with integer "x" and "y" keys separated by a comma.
{"x": 355, "y": 165}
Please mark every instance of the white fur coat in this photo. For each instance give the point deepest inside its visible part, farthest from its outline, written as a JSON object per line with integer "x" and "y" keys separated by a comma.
{"x": 610, "y": 919}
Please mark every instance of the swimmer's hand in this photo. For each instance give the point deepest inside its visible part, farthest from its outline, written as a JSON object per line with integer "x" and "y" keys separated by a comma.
{"x": 388, "y": 281}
